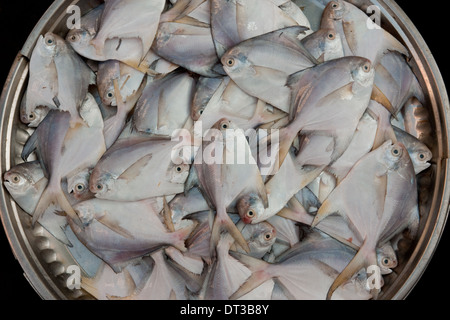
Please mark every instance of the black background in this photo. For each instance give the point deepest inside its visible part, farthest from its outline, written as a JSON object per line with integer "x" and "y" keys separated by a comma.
{"x": 17, "y": 19}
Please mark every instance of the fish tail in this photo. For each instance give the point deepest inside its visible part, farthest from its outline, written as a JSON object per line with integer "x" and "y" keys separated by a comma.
{"x": 53, "y": 194}
{"x": 259, "y": 274}
{"x": 181, "y": 236}
{"x": 296, "y": 212}
{"x": 222, "y": 222}
{"x": 365, "y": 257}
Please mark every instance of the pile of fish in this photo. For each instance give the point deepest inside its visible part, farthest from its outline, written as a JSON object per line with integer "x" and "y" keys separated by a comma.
{"x": 134, "y": 116}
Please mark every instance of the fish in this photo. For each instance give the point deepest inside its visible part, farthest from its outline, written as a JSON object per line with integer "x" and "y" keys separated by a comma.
{"x": 250, "y": 65}
{"x": 165, "y": 105}
{"x": 223, "y": 178}
{"x": 188, "y": 45}
{"x": 388, "y": 177}
{"x": 54, "y": 66}
{"x": 123, "y": 170}
{"x": 107, "y": 283}
{"x": 260, "y": 238}
{"x": 129, "y": 19}
{"x": 129, "y": 80}
{"x": 114, "y": 125}
{"x": 360, "y": 35}
{"x": 183, "y": 205}
{"x": 362, "y": 143}
{"x": 333, "y": 108}
{"x": 121, "y": 232}
{"x": 419, "y": 153}
{"x": 246, "y": 111}
{"x": 324, "y": 45}
{"x": 204, "y": 90}
{"x": 163, "y": 282}
{"x": 396, "y": 80}
{"x": 64, "y": 151}
{"x": 304, "y": 272}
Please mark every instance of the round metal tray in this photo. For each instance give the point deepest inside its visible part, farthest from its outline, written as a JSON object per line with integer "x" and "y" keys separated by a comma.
{"x": 44, "y": 260}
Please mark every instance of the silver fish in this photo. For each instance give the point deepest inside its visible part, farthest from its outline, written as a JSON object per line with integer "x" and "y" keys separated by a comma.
{"x": 324, "y": 45}
{"x": 122, "y": 173}
{"x": 360, "y": 35}
{"x": 305, "y": 272}
{"x": 120, "y": 232}
{"x": 260, "y": 237}
{"x": 222, "y": 181}
{"x": 387, "y": 181}
{"x": 165, "y": 105}
{"x": 175, "y": 43}
{"x": 54, "y": 66}
{"x": 250, "y": 65}
{"x": 129, "y": 19}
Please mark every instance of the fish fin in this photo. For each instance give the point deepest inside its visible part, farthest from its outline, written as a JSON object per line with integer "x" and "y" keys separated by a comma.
{"x": 327, "y": 208}
{"x": 380, "y": 97}
{"x": 135, "y": 170}
{"x": 168, "y": 216}
{"x": 192, "y": 180}
{"x": 53, "y": 194}
{"x": 223, "y": 222}
{"x": 258, "y": 277}
{"x": 296, "y": 212}
{"x": 182, "y": 235}
{"x": 365, "y": 257}
{"x": 286, "y": 137}
{"x": 114, "y": 226}
{"x": 392, "y": 44}
{"x": 30, "y": 146}
{"x": 384, "y": 133}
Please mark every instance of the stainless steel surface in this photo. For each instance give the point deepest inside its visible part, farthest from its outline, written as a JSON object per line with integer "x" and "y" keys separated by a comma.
{"x": 44, "y": 260}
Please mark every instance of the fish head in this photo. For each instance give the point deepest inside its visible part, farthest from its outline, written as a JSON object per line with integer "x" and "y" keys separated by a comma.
{"x": 178, "y": 173}
{"x": 394, "y": 155}
{"x": 263, "y": 235}
{"x": 334, "y": 10}
{"x": 101, "y": 184}
{"x": 78, "y": 185}
{"x": 363, "y": 73}
{"x": 332, "y": 47}
{"x": 47, "y": 45}
{"x": 387, "y": 259}
{"x": 235, "y": 62}
{"x": 33, "y": 117}
{"x": 22, "y": 178}
{"x": 85, "y": 212}
{"x": 79, "y": 38}
{"x": 250, "y": 207}
{"x": 420, "y": 157}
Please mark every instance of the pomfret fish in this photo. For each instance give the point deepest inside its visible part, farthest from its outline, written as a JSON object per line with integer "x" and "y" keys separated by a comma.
{"x": 121, "y": 174}
{"x": 388, "y": 177}
{"x": 120, "y": 232}
{"x": 360, "y": 35}
{"x": 129, "y": 19}
{"x": 250, "y": 65}
{"x": 223, "y": 181}
{"x": 324, "y": 45}
{"x": 164, "y": 105}
{"x": 54, "y": 68}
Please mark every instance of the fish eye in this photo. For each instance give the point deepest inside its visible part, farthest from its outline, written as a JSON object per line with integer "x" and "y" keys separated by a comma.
{"x": 421, "y": 156}
{"x": 49, "y": 41}
{"x": 179, "y": 169}
{"x": 99, "y": 187}
{"x": 73, "y": 38}
{"x": 386, "y": 261}
{"x": 110, "y": 95}
{"x": 268, "y": 236}
{"x": 200, "y": 111}
{"x": 366, "y": 67}
{"x": 31, "y": 116}
{"x": 250, "y": 213}
{"x": 331, "y": 36}
{"x": 224, "y": 125}
{"x": 396, "y": 152}
{"x": 80, "y": 187}
{"x": 15, "y": 178}
{"x": 230, "y": 62}
{"x": 335, "y": 5}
